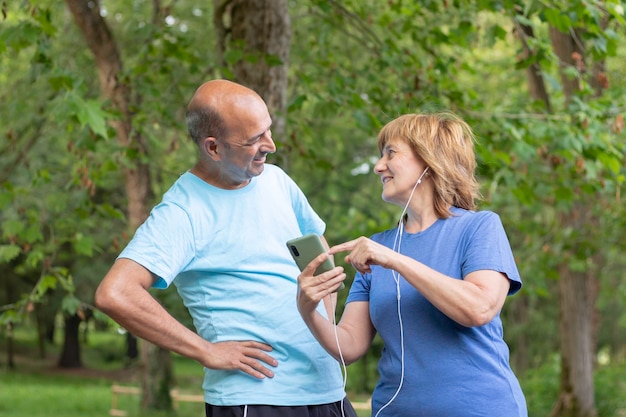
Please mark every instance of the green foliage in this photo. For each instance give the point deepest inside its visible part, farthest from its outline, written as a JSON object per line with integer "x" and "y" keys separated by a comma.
{"x": 541, "y": 386}
{"x": 354, "y": 66}
{"x": 69, "y": 180}
{"x": 610, "y": 387}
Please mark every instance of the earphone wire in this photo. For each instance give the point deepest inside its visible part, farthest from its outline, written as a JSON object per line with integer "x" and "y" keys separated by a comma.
{"x": 396, "y": 247}
{"x": 343, "y": 362}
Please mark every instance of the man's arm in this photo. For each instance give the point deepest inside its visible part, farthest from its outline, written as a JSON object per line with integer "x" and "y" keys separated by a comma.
{"x": 123, "y": 295}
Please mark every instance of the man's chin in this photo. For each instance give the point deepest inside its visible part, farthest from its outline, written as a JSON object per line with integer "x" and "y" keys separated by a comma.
{"x": 257, "y": 168}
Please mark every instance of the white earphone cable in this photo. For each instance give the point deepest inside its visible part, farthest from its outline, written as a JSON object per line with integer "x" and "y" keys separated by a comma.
{"x": 343, "y": 362}
{"x": 397, "y": 280}
{"x": 396, "y": 247}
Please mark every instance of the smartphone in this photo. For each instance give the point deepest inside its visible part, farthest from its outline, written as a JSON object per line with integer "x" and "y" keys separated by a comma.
{"x": 306, "y": 248}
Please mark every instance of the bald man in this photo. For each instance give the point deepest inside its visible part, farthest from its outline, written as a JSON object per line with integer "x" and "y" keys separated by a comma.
{"x": 219, "y": 236}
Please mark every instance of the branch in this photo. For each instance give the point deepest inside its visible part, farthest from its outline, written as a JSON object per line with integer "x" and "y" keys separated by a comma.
{"x": 358, "y": 21}
{"x": 23, "y": 152}
{"x": 519, "y": 116}
{"x": 536, "y": 83}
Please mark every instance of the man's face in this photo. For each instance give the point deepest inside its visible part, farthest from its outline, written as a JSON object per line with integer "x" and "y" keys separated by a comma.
{"x": 243, "y": 153}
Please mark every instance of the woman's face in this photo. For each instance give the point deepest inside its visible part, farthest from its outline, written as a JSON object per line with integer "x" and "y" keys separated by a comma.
{"x": 399, "y": 169}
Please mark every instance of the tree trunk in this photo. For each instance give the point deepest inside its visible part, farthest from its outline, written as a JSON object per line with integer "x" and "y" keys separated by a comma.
{"x": 262, "y": 29}
{"x": 10, "y": 293}
{"x": 567, "y": 49}
{"x": 10, "y": 346}
{"x": 578, "y": 292}
{"x": 577, "y": 288}
{"x": 45, "y": 314}
{"x": 70, "y": 356}
{"x": 132, "y": 347}
{"x": 364, "y": 382}
{"x": 137, "y": 179}
{"x": 102, "y": 44}
{"x": 576, "y": 397}
{"x": 520, "y": 358}
{"x": 158, "y": 366}
{"x": 536, "y": 84}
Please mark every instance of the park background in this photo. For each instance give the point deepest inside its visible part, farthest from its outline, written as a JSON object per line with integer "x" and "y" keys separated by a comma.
{"x": 92, "y": 132}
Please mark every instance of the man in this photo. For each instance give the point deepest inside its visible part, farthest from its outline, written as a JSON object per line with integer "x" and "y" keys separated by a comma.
{"x": 219, "y": 235}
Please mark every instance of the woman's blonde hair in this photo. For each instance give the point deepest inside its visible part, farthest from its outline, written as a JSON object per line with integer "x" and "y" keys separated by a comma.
{"x": 446, "y": 145}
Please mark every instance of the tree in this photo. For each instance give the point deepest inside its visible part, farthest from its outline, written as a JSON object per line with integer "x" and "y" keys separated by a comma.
{"x": 253, "y": 43}
{"x": 550, "y": 138}
{"x": 156, "y": 378}
{"x": 580, "y": 40}
{"x": 575, "y": 140}
{"x": 273, "y": 35}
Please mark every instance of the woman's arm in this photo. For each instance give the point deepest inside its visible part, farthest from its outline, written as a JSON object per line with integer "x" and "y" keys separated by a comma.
{"x": 353, "y": 333}
{"x": 473, "y": 301}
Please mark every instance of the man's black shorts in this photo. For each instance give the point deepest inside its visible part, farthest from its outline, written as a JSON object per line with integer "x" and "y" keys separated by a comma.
{"x": 320, "y": 410}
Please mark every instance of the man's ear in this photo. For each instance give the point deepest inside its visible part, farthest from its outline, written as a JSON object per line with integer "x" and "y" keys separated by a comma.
{"x": 210, "y": 147}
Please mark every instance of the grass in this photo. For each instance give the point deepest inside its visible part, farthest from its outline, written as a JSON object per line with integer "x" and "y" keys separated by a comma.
{"x": 48, "y": 395}
{"x": 37, "y": 388}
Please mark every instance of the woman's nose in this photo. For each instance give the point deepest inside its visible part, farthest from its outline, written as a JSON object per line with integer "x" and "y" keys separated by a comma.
{"x": 379, "y": 167}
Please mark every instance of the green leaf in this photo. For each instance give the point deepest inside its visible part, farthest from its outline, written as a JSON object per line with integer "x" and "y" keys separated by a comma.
{"x": 558, "y": 19}
{"x": 611, "y": 162}
{"x": 32, "y": 233}
{"x": 297, "y": 102}
{"x": 12, "y": 228}
{"x": 20, "y": 36}
{"x": 101, "y": 317}
{"x": 9, "y": 252}
{"x": 47, "y": 282}
{"x": 89, "y": 113}
{"x": 43, "y": 17}
{"x": 70, "y": 304}
{"x": 9, "y": 316}
{"x": 61, "y": 82}
{"x": 564, "y": 194}
{"x": 34, "y": 258}
{"x": 83, "y": 244}
{"x": 6, "y": 198}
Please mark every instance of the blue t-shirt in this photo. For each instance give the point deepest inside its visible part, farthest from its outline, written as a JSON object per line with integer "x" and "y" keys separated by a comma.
{"x": 449, "y": 370}
{"x": 225, "y": 251}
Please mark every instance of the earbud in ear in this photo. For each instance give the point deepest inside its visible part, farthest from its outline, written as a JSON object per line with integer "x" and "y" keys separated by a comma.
{"x": 419, "y": 180}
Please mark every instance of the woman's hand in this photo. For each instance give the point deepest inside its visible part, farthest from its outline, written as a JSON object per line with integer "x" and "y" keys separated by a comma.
{"x": 365, "y": 252}
{"x": 313, "y": 288}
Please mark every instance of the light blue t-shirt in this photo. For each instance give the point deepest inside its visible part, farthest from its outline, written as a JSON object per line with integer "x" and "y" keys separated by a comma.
{"x": 449, "y": 369}
{"x": 225, "y": 251}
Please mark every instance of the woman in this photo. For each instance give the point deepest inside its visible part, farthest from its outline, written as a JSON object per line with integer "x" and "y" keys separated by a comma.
{"x": 432, "y": 287}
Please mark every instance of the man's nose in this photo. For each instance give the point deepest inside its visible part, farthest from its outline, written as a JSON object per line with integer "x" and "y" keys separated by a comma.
{"x": 268, "y": 143}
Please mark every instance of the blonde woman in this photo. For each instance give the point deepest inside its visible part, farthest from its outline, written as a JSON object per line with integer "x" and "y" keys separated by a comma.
{"x": 432, "y": 287}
